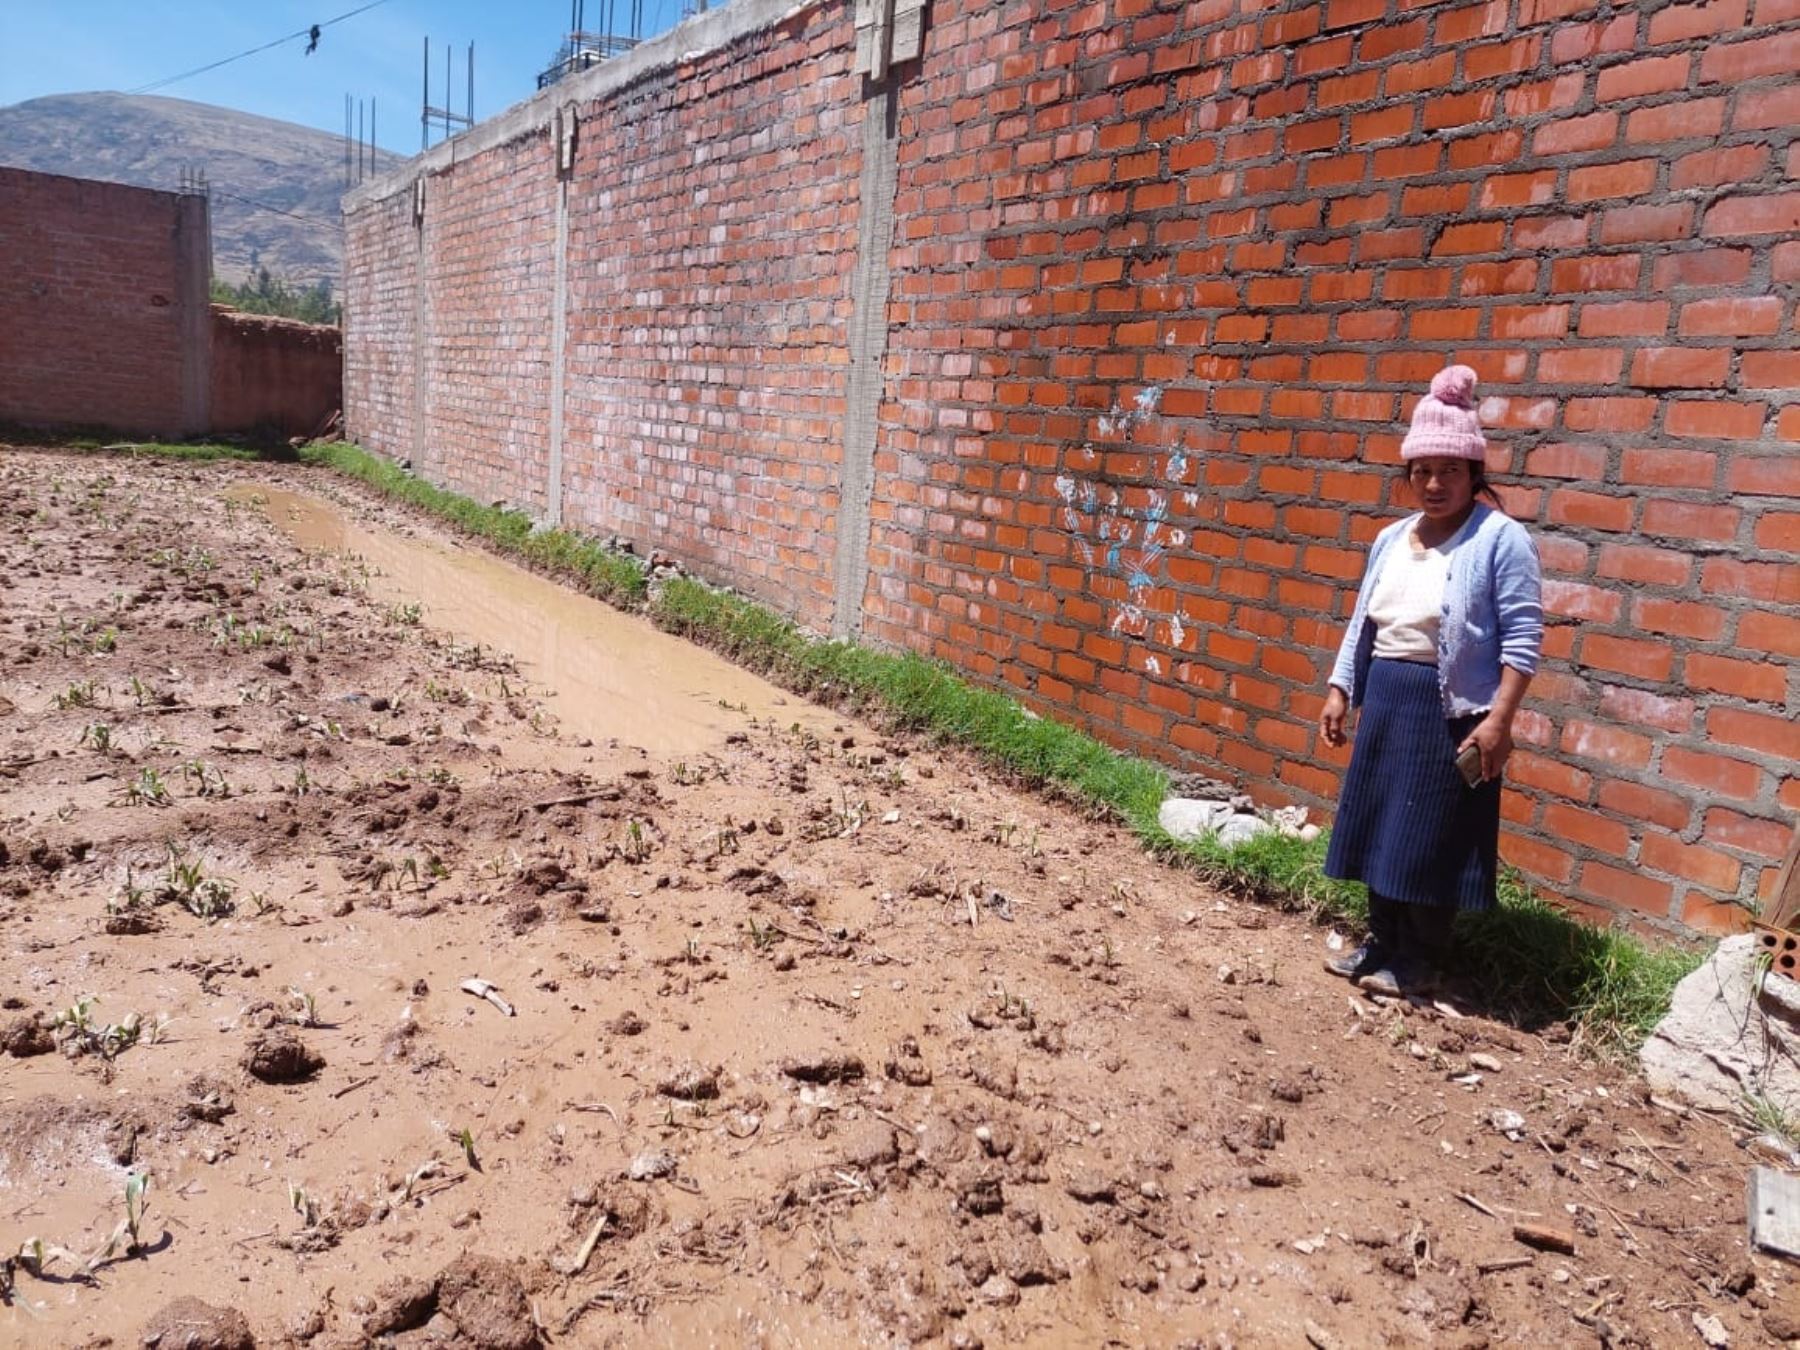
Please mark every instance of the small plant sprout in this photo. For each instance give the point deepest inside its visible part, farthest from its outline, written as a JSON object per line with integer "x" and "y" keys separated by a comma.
{"x": 304, "y": 1205}
{"x": 147, "y": 789}
{"x": 761, "y": 938}
{"x": 98, "y": 736}
{"x": 306, "y": 1008}
{"x": 637, "y": 847}
{"x": 467, "y": 1143}
{"x": 207, "y": 780}
{"x": 407, "y": 616}
{"x": 81, "y": 695}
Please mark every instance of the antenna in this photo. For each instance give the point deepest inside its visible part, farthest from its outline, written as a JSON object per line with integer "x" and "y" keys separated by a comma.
{"x": 446, "y": 114}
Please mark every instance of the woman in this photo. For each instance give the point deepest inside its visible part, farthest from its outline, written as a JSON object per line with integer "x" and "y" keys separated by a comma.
{"x": 1441, "y": 646}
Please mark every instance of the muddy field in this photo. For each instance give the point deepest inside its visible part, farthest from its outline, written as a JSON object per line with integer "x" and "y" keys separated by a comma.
{"x": 799, "y": 1033}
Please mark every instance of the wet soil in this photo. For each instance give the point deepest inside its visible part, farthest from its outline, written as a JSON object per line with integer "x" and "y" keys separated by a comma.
{"x": 793, "y": 1031}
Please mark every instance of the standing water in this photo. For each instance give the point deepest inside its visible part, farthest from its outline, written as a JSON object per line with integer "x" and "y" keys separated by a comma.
{"x": 608, "y": 675}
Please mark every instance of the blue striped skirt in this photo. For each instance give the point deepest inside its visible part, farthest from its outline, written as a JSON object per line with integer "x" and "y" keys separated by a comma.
{"x": 1408, "y": 827}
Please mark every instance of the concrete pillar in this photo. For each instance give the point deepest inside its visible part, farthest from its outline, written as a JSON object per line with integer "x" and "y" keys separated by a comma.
{"x": 559, "y": 327}
{"x": 193, "y": 298}
{"x": 868, "y": 348}
{"x": 418, "y": 327}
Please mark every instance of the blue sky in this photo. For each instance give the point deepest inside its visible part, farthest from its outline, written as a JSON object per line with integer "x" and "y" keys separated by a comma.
{"x": 60, "y": 47}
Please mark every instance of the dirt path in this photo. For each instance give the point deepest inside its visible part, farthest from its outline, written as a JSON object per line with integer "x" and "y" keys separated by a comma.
{"x": 825, "y": 1035}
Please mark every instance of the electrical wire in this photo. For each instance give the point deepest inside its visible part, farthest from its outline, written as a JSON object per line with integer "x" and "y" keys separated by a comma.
{"x": 264, "y": 206}
{"x": 305, "y": 32}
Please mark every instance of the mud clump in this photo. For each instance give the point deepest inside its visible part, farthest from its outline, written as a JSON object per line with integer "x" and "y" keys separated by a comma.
{"x": 189, "y": 1324}
{"x": 823, "y": 1068}
{"x": 486, "y": 1301}
{"x": 401, "y": 1304}
{"x": 25, "y": 1036}
{"x": 281, "y": 1057}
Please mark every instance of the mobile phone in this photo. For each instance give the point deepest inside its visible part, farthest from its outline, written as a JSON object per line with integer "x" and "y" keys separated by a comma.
{"x": 1468, "y": 764}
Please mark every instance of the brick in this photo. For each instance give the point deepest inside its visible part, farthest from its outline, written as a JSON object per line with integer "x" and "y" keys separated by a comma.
{"x": 1768, "y": 213}
{"x": 1770, "y": 370}
{"x": 1646, "y": 709}
{"x": 1549, "y": 775}
{"x": 1754, "y": 731}
{"x": 1681, "y": 367}
{"x": 1721, "y": 267}
{"x": 1608, "y": 744}
{"x": 1635, "y": 79}
{"x": 1627, "y": 656}
{"x": 1608, "y": 414}
{"x": 1735, "y": 62}
{"x": 1660, "y": 467}
{"x": 1605, "y": 272}
{"x": 1531, "y": 854}
{"x": 1678, "y": 23}
{"x": 1572, "y": 600}
{"x": 1731, "y": 316}
{"x": 1625, "y": 318}
{"x": 1704, "y": 914}
{"x": 1654, "y": 223}
{"x": 1705, "y": 866}
{"x": 1762, "y": 109}
{"x": 1766, "y": 476}
{"x": 1690, "y": 520}
{"x": 1712, "y": 773}
{"x": 1778, "y": 583}
{"x": 1778, "y": 532}
{"x": 1760, "y": 681}
{"x": 1690, "y": 119}
{"x": 1681, "y": 618}
{"x": 1638, "y": 802}
{"x": 1714, "y": 168}
{"x": 1632, "y": 889}
{"x": 1644, "y": 566}
{"x": 1591, "y": 131}
{"x": 1725, "y": 828}
{"x": 1589, "y": 828}
{"x": 1716, "y": 420}
{"x": 1581, "y": 365}
{"x": 1570, "y": 507}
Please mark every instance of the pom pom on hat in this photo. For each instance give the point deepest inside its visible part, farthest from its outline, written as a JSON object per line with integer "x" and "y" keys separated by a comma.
{"x": 1445, "y": 424}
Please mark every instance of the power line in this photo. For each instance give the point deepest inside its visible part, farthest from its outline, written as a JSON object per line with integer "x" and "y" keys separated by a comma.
{"x": 307, "y": 32}
{"x": 264, "y": 206}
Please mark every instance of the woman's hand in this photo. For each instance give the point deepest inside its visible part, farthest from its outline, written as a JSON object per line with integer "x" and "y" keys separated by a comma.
{"x": 1331, "y": 718}
{"x": 1493, "y": 737}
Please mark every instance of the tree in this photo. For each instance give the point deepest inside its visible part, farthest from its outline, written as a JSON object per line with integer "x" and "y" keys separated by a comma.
{"x": 264, "y": 293}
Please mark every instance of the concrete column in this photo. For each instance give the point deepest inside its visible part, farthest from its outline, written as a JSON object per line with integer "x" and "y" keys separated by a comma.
{"x": 418, "y": 329}
{"x": 193, "y": 290}
{"x": 868, "y": 347}
{"x": 559, "y": 327}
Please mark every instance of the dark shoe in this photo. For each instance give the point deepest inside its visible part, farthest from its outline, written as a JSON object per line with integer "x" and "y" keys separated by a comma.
{"x": 1399, "y": 977}
{"x": 1357, "y": 962}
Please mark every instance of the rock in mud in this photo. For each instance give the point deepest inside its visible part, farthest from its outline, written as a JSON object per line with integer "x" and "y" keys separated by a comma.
{"x": 871, "y": 1144}
{"x": 400, "y": 1305}
{"x": 982, "y": 1195}
{"x": 650, "y": 1165}
{"x": 1092, "y": 1188}
{"x": 689, "y": 1083}
{"x": 25, "y": 1036}
{"x": 484, "y": 1298}
{"x": 1732, "y": 1030}
{"x": 1022, "y": 1258}
{"x": 189, "y": 1324}
{"x": 907, "y": 1066}
{"x": 823, "y": 1068}
{"x": 627, "y": 1023}
{"x": 281, "y": 1057}
{"x": 999, "y": 1291}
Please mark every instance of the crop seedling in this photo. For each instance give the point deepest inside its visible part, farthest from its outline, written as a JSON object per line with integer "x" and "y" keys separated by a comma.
{"x": 206, "y": 779}
{"x": 81, "y": 695}
{"x": 637, "y": 847}
{"x": 467, "y": 1143}
{"x": 185, "y": 882}
{"x": 303, "y": 1205}
{"x": 407, "y": 616}
{"x": 761, "y": 938}
{"x": 306, "y": 1008}
{"x": 147, "y": 789}
{"x": 98, "y": 736}
{"x": 75, "y": 1028}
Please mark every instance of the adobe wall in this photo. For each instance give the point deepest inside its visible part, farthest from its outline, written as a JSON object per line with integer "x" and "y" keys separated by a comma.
{"x": 273, "y": 377}
{"x": 1161, "y": 287}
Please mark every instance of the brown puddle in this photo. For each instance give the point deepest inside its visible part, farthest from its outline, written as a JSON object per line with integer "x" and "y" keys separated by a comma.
{"x": 608, "y": 674}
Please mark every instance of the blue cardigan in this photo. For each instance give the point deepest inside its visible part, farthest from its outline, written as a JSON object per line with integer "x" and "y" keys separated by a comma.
{"x": 1493, "y": 612}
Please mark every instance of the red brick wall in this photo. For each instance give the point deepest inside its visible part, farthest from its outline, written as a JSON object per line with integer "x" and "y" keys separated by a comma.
{"x": 381, "y": 249}
{"x": 1166, "y": 282}
{"x": 93, "y": 290}
{"x": 273, "y": 377}
{"x": 712, "y": 238}
{"x": 489, "y": 239}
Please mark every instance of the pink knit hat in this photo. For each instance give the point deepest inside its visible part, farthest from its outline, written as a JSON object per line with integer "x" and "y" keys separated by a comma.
{"x": 1445, "y": 422}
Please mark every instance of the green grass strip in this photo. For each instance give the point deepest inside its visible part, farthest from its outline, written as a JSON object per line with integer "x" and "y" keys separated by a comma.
{"x": 1525, "y": 959}
{"x": 199, "y": 452}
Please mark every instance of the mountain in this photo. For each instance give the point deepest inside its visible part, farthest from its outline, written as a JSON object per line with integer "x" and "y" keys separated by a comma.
{"x": 258, "y": 168}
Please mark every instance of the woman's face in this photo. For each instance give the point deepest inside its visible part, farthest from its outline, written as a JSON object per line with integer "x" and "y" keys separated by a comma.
{"x": 1443, "y": 485}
